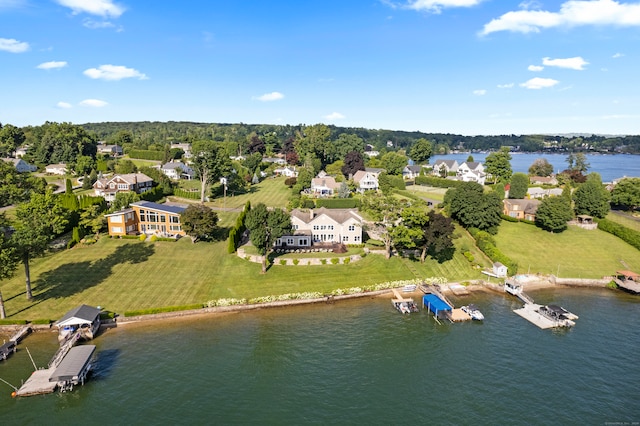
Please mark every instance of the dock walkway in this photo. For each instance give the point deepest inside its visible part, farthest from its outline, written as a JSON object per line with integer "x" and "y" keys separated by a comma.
{"x": 38, "y": 384}
{"x": 529, "y": 312}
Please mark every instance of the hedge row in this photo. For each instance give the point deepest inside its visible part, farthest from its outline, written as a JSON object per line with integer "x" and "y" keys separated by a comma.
{"x": 190, "y": 195}
{"x": 338, "y": 203}
{"x": 146, "y": 154}
{"x": 236, "y": 232}
{"x": 487, "y": 244}
{"x": 162, "y": 310}
{"x": 155, "y": 194}
{"x": 437, "y": 182}
{"x": 627, "y": 235}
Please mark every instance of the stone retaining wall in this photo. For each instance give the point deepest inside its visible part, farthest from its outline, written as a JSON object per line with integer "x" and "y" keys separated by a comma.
{"x": 306, "y": 261}
{"x": 580, "y": 282}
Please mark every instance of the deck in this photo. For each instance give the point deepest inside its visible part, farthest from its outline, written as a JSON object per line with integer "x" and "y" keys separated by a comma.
{"x": 38, "y": 384}
{"x": 458, "y": 315}
{"x": 628, "y": 285}
{"x": 529, "y": 313}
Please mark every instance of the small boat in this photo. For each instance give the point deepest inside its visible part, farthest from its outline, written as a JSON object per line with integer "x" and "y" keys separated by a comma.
{"x": 473, "y": 312}
{"x": 559, "y": 315}
{"x": 409, "y": 288}
{"x": 405, "y": 306}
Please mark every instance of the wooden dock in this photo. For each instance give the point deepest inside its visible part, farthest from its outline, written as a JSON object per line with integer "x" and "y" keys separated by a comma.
{"x": 458, "y": 315}
{"x": 459, "y": 289}
{"x": 529, "y": 312}
{"x": 38, "y": 384}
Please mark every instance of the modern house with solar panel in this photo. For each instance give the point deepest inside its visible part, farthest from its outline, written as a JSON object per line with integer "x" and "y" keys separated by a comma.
{"x": 145, "y": 217}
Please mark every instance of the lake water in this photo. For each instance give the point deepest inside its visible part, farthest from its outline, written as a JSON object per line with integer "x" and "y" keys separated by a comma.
{"x": 354, "y": 362}
{"x": 610, "y": 167}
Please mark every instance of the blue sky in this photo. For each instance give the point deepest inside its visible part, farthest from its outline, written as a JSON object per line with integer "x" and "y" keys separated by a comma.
{"x": 454, "y": 66}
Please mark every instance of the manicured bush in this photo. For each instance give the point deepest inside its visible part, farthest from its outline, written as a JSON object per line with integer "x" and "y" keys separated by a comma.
{"x": 296, "y": 261}
{"x": 338, "y": 203}
{"x": 41, "y": 321}
{"x": 154, "y": 238}
{"x": 335, "y": 260}
{"x": 146, "y": 154}
{"x": 189, "y": 195}
{"x": 142, "y": 237}
{"x": 290, "y": 181}
{"x": 346, "y": 260}
{"x": 283, "y": 262}
{"x": 627, "y": 235}
{"x": 323, "y": 261}
{"x": 231, "y": 243}
{"x": 12, "y": 322}
{"x": 437, "y": 182}
{"x": 162, "y": 310}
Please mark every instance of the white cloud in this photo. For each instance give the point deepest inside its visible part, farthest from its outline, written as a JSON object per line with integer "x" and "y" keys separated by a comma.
{"x": 435, "y": 6}
{"x": 539, "y": 83}
{"x": 572, "y": 13}
{"x": 268, "y": 97}
{"x": 12, "y": 45}
{"x": 93, "y": 7}
{"x": 505, "y": 86}
{"x": 576, "y": 63}
{"x": 95, "y": 25}
{"x": 52, "y": 65}
{"x": 480, "y": 92}
{"x": 94, "y": 103}
{"x": 63, "y": 105}
{"x": 535, "y": 68}
{"x": 334, "y": 116}
{"x": 114, "y": 72}
{"x": 618, "y": 55}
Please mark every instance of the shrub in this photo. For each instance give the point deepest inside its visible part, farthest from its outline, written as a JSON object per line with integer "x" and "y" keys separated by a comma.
{"x": 12, "y": 322}
{"x": 468, "y": 255}
{"x": 346, "y": 260}
{"x": 323, "y": 261}
{"x": 162, "y": 310}
{"x": 335, "y": 260}
{"x": 142, "y": 237}
{"x": 437, "y": 182}
{"x": 154, "y": 238}
{"x": 296, "y": 261}
{"x": 283, "y": 262}
{"x": 338, "y": 203}
{"x": 628, "y": 235}
{"x": 41, "y": 321}
{"x": 290, "y": 181}
{"x": 130, "y": 237}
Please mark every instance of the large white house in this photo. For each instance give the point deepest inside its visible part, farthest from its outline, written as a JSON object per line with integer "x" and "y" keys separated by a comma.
{"x": 323, "y": 225}
{"x": 324, "y": 185}
{"x": 366, "y": 180}
{"x": 176, "y": 170}
{"x": 444, "y": 167}
{"x": 472, "y": 172}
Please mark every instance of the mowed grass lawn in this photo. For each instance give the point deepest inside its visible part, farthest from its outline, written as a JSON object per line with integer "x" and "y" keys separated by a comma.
{"x": 271, "y": 191}
{"x": 121, "y": 275}
{"x": 575, "y": 253}
{"x": 625, "y": 219}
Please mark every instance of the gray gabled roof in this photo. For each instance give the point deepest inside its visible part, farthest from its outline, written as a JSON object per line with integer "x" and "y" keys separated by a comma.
{"x": 83, "y": 312}
{"x": 73, "y": 363}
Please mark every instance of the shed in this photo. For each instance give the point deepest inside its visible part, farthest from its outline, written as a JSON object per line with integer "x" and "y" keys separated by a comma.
{"x": 82, "y": 315}
{"x": 75, "y": 365}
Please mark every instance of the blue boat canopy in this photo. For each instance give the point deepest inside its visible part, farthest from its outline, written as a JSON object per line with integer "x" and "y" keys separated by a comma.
{"x": 434, "y": 303}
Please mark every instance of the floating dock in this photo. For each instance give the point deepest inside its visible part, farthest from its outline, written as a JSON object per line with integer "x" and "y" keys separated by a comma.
{"x": 531, "y": 314}
{"x": 38, "y": 384}
{"x": 543, "y": 316}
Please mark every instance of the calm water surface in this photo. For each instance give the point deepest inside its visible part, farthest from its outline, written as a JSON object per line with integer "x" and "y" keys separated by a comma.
{"x": 610, "y": 167}
{"x": 354, "y": 362}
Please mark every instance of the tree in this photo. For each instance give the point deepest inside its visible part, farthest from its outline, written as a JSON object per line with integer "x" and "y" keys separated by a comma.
{"x": 470, "y": 159}
{"x": 473, "y": 208}
{"x": 353, "y": 162}
{"x": 8, "y": 259}
{"x": 519, "y": 185}
{"x": 421, "y": 151}
{"x": 627, "y": 193}
{"x": 11, "y": 137}
{"x": 17, "y": 187}
{"x": 252, "y": 161}
{"x": 265, "y": 227}
{"x": 38, "y": 222}
{"x": 347, "y": 143}
{"x": 498, "y": 165}
{"x": 125, "y": 167}
{"x": 84, "y": 164}
{"x": 256, "y": 145}
{"x": 63, "y": 143}
{"x": 199, "y": 222}
{"x": 591, "y": 198}
{"x": 68, "y": 186}
{"x": 553, "y": 214}
{"x": 210, "y": 163}
{"x": 578, "y": 162}
{"x": 438, "y": 237}
{"x": 385, "y": 211}
{"x": 393, "y": 163}
{"x": 343, "y": 190}
{"x": 123, "y": 199}
{"x": 313, "y": 140}
{"x": 541, "y": 167}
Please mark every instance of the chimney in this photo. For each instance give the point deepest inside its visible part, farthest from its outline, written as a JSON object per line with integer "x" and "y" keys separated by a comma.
{"x": 310, "y": 214}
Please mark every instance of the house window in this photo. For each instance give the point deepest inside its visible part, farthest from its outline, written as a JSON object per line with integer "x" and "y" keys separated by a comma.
{"x": 163, "y": 218}
{"x": 304, "y": 242}
{"x": 352, "y": 227}
{"x": 290, "y": 241}
{"x": 513, "y": 214}
{"x": 116, "y": 219}
{"x": 112, "y": 186}
{"x": 316, "y": 227}
{"x": 330, "y": 227}
{"x": 174, "y": 219}
{"x": 356, "y": 238}
{"x": 123, "y": 186}
{"x": 152, "y": 217}
{"x": 116, "y": 229}
{"x": 345, "y": 238}
{"x": 175, "y": 228}
{"x": 295, "y": 226}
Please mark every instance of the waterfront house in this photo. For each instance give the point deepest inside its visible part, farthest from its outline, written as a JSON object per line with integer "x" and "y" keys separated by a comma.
{"x": 324, "y": 185}
{"x": 543, "y": 180}
{"x": 522, "y": 209}
{"x": 411, "y": 172}
{"x": 112, "y": 150}
{"x": 317, "y": 226}
{"x": 444, "y": 167}
{"x": 288, "y": 171}
{"x": 21, "y": 165}
{"x": 21, "y": 151}
{"x": 56, "y": 169}
{"x": 108, "y": 187}
{"x": 84, "y": 317}
{"x": 145, "y": 217}
{"x": 176, "y": 170}
{"x": 471, "y": 171}
{"x": 366, "y": 180}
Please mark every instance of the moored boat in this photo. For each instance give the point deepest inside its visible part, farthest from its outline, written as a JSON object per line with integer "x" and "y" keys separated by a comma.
{"x": 473, "y": 311}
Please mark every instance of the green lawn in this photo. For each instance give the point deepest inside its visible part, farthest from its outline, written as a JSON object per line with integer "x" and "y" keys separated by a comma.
{"x": 271, "y": 191}
{"x": 122, "y": 275}
{"x": 573, "y": 253}
{"x": 624, "y": 219}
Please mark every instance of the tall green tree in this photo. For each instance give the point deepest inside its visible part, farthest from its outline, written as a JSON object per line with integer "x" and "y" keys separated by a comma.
{"x": 473, "y": 208}
{"x": 438, "y": 237}
{"x": 63, "y": 143}
{"x": 627, "y": 193}
{"x": 11, "y": 137}
{"x": 385, "y": 211}
{"x": 591, "y": 198}
{"x": 498, "y": 165}
{"x": 346, "y": 143}
{"x": 210, "y": 163}
{"x": 519, "y": 185}
{"x": 38, "y": 222}
{"x": 17, "y": 187}
{"x": 393, "y": 162}
{"x": 8, "y": 258}
{"x": 421, "y": 151}
{"x": 553, "y": 214}
{"x": 314, "y": 140}
{"x": 541, "y": 167}
{"x": 199, "y": 222}
{"x": 265, "y": 227}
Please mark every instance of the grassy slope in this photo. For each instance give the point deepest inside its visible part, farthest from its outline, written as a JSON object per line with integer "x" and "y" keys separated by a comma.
{"x": 122, "y": 275}
{"x": 574, "y": 253}
{"x": 625, "y": 220}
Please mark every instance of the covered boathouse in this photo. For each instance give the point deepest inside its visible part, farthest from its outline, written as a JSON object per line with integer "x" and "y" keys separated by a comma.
{"x": 84, "y": 318}
{"x": 74, "y": 367}
{"x": 434, "y": 304}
